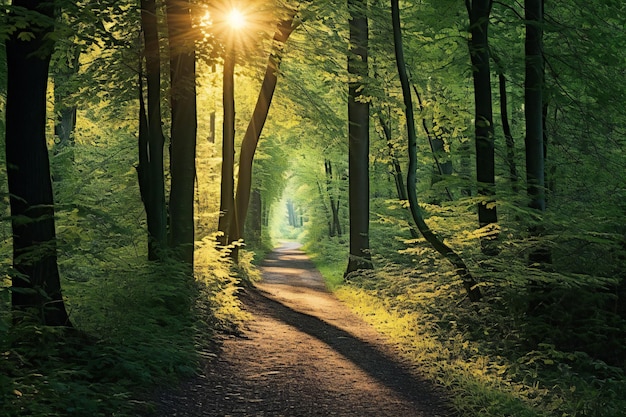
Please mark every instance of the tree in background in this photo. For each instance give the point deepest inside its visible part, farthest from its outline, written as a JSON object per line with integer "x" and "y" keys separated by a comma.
{"x": 358, "y": 138}
{"x": 36, "y": 281}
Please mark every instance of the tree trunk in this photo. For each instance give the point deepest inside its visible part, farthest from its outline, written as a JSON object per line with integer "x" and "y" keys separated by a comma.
{"x": 535, "y": 120}
{"x": 506, "y": 126}
{"x": 335, "y": 221}
{"x": 479, "y": 12}
{"x": 533, "y": 105}
{"x": 254, "y": 219}
{"x": 469, "y": 283}
{"x": 65, "y": 120}
{"x": 156, "y": 214}
{"x": 227, "y": 190}
{"x": 184, "y": 127}
{"x": 36, "y": 281}
{"x": 358, "y": 135}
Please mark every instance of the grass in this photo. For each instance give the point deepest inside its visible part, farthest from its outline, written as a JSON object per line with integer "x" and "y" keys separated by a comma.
{"x": 476, "y": 352}
{"x": 137, "y": 326}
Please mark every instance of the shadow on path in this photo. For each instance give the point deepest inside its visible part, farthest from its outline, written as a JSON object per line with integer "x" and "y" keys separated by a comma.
{"x": 368, "y": 357}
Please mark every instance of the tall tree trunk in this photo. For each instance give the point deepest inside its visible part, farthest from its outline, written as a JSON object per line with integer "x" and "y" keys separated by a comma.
{"x": 358, "y": 135}
{"x": 227, "y": 190}
{"x": 469, "y": 283}
{"x": 533, "y": 105}
{"x": 156, "y": 214}
{"x": 255, "y": 127}
{"x": 184, "y": 127}
{"x": 36, "y": 281}
{"x": 479, "y": 11}
{"x": 506, "y": 126}
{"x": 535, "y": 119}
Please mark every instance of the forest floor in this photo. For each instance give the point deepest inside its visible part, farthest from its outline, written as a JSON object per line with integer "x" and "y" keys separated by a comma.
{"x": 303, "y": 353}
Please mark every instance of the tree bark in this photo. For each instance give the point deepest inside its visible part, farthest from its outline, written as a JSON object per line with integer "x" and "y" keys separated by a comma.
{"x": 184, "y": 127}
{"x": 156, "y": 214}
{"x": 506, "y": 126}
{"x": 36, "y": 286}
{"x": 479, "y": 11}
{"x": 533, "y": 105}
{"x": 227, "y": 190}
{"x": 358, "y": 136}
{"x": 469, "y": 283}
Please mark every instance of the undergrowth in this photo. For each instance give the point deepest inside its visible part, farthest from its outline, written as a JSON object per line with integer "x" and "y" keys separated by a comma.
{"x": 484, "y": 353}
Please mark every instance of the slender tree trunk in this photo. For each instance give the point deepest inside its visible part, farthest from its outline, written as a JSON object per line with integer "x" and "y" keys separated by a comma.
{"x": 65, "y": 121}
{"x": 468, "y": 281}
{"x": 335, "y": 221}
{"x": 533, "y": 105}
{"x": 479, "y": 11}
{"x": 535, "y": 120}
{"x": 227, "y": 197}
{"x": 36, "y": 282}
{"x": 506, "y": 126}
{"x": 154, "y": 203}
{"x": 331, "y": 232}
{"x": 255, "y": 127}
{"x": 358, "y": 135}
{"x": 184, "y": 126}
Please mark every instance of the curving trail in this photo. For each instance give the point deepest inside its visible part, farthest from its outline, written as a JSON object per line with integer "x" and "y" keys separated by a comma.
{"x": 303, "y": 354}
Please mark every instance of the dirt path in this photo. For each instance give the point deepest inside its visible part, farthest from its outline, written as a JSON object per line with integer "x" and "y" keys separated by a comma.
{"x": 304, "y": 354}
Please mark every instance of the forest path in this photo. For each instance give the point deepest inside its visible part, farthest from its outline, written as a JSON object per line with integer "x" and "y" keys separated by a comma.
{"x": 304, "y": 354}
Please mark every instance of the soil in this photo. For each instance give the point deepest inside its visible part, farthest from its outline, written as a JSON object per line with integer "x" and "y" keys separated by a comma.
{"x": 304, "y": 353}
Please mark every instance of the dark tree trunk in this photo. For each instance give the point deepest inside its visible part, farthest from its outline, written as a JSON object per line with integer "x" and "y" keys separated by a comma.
{"x": 533, "y": 105}
{"x": 506, "y": 126}
{"x": 535, "y": 120}
{"x": 473, "y": 292}
{"x": 184, "y": 126}
{"x": 479, "y": 11}
{"x": 36, "y": 282}
{"x": 65, "y": 120}
{"x": 255, "y": 127}
{"x": 329, "y": 221}
{"x": 227, "y": 190}
{"x": 335, "y": 221}
{"x": 154, "y": 200}
{"x": 358, "y": 135}
{"x": 254, "y": 218}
